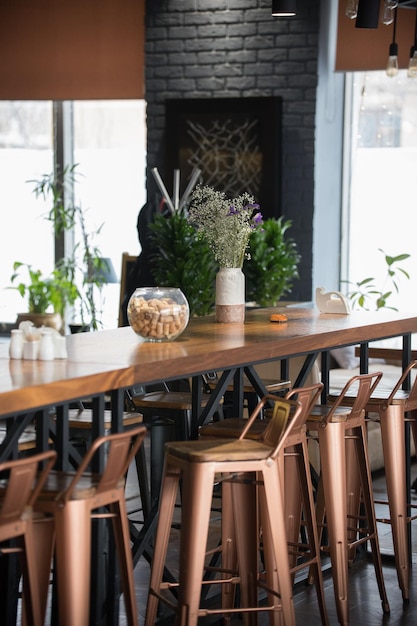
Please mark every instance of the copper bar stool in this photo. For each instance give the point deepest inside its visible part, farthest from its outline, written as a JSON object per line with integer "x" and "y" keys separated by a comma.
{"x": 297, "y": 478}
{"x": 19, "y": 490}
{"x": 72, "y": 498}
{"x": 343, "y": 453}
{"x": 197, "y": 464}
{"x": 395, "y": 408}
{"x": 232, "y": 427}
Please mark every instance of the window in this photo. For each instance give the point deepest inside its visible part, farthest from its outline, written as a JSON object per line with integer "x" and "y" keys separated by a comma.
{"x": 381, "y": 178}
{"x": 109, "y": 140}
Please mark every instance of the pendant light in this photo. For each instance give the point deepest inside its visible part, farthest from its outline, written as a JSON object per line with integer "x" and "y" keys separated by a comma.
{"x": 388, "y": 12}
{"x": 284, "y": 8}
{"x": 392, "y": 65}
{"x": 412, "y": 64}
{"x": 352, "y": 9}
{"x": 368, "y": 14}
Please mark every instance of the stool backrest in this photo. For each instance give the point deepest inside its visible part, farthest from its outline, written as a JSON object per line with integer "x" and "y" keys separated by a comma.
{"x": 361, "y": 388}
{"x": 411, "y": 402}
{"x": 21, "y": 481}
{"x": 121, "y": 448}
{"x": 299, "y": 410}
{"x": 288, "y": 417}
{"x": 307, "y": 396}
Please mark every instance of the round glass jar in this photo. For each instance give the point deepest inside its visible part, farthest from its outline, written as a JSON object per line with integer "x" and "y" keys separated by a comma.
{"x": 158, "y": 313}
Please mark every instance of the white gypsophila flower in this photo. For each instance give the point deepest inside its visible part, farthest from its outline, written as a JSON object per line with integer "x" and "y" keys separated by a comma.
{"x": 225, "y": 224}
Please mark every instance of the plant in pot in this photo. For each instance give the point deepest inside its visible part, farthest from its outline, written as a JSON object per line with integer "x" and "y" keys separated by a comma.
{"x": 272, "y": 264}
{"x": 84, "y": 270}
{"x": 47, "y": 296}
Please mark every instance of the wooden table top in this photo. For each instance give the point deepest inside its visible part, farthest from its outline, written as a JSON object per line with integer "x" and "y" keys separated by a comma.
{"x": 115, "y": 359}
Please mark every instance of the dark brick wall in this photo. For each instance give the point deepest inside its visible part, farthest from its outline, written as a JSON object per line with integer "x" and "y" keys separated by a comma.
{"x": 234, "y": 48}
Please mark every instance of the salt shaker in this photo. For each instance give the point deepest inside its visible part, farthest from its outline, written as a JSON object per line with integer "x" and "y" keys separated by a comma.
{"x": 16, "y": 344}
{"x": 46, "y": 347}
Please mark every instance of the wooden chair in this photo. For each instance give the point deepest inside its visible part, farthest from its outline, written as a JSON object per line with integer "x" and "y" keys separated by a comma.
{"x": 20, "y": 484}
{"x": 73, "y": 498}
{"x": 128, "y": 261}
{"x": 234, "y": 461}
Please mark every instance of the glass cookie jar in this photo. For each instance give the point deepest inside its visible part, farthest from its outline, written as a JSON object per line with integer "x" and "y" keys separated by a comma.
{"x": 158, "y": 313}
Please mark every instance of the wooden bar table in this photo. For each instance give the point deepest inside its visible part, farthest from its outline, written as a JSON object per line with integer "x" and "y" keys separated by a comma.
{"x": 109, "y": 362}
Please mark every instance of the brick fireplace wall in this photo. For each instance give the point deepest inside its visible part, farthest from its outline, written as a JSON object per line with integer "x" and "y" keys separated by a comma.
{"x": 235, "y": 48}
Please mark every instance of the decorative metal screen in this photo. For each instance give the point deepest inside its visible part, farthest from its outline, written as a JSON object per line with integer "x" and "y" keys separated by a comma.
{"x": 235, "y": 142}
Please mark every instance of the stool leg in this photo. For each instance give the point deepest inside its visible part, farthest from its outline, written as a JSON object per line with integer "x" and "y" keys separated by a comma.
{"x": 353, "y": 492}
{"x": 122, "y": 540}
{"x": 393, "y": 443}
{"x": 32, "y": 601}
{"x": 73, "y": 556}
{"x": 303, "y": 465}
{"x": 368, "y": 500}
{"x": 43, "y": 537}
{"x": 244, "y": 496}
{"x": 228, "y": 554}
{"x": 271, "y": 503}
{"x": 333, "y": 475}
{"x": 293, "y": 501}
{"x": 169, "y": 489}
{"x": 197, "y": 490}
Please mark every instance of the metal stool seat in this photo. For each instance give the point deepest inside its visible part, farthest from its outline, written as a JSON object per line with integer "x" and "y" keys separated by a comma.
{"x": 394, "y": 408}
{"x": 345, "y": 470}
{"x": 235, "y": 462}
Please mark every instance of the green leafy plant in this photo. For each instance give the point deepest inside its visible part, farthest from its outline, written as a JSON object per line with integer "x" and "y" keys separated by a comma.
{"x": 367, "y": 295}
{"x": 84, "y": 269}
{"x": 273, "y": 262}
{"x": 45, "y": 294}
{"x": 181, "y": 259}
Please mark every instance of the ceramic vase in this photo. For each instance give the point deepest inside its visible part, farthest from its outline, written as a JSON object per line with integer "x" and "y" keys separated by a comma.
{"x": 230, "y": 295}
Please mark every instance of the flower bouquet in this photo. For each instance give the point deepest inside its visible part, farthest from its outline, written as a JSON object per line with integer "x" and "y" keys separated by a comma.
{"x": 226, "y": 226}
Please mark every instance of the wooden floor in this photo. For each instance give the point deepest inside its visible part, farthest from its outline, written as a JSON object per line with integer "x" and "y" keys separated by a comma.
{"x": 365, "y": 605}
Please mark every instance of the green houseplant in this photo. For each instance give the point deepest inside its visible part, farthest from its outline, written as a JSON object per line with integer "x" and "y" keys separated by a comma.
{"x": 47, "y": 296}
{"x": 273, "y": 262}
{"x": 83, "y": 270}
{"x": 182, "y": 259}
{"x": 365, "y": 294}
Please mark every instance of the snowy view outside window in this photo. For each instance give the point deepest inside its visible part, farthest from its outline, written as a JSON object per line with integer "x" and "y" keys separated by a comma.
{"x": 381, "y": 194}
{"x": 109, "y": 146}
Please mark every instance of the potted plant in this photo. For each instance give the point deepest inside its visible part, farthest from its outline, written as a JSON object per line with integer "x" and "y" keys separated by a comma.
{"x": 47, "y": 296}
{"x": 85, "y": 269}
{"x": 272, "y": 263}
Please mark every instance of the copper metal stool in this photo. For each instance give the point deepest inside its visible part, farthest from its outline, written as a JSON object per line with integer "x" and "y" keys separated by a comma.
{"x": 197, "y": 463}
{"x": 297, "y": 476}
{"x": 344, "y": 457}
{"x": 395, "y": 408}
{"x": 72, "y": 497}
{"x": 19, "y": 491}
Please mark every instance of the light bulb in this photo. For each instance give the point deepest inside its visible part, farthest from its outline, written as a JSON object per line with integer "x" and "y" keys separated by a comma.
{"x": 412, "y": 65}
{"x": 392, "y": 65}
{"x": 352, "y": 9}
{"x": 388, "y": 12}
